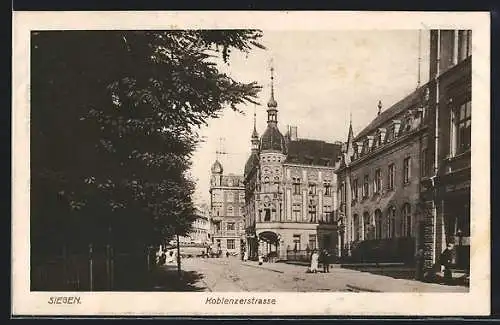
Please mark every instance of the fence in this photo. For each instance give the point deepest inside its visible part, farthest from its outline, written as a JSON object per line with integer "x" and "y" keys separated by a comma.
{"x": 97, "y": 270}
{"x": 400, "y": 250}
{"x": 298, "y": 255}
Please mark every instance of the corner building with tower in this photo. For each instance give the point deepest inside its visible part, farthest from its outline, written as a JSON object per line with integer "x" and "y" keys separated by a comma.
{"x": 226, "y": 211}
{"x": 290, "y": 192}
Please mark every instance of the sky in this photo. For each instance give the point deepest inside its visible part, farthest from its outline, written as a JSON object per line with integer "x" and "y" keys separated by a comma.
{"x": 320, "y": 78}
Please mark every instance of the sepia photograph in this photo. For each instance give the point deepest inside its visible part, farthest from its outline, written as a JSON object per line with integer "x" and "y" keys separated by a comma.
{"x": 246, "y": 163}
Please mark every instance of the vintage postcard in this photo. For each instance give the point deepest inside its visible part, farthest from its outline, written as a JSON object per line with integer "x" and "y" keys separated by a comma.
{"x": 251, "y": 163}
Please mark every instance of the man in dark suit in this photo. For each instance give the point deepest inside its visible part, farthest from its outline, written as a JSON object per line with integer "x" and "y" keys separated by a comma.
{"x": 325, "y": 259}
{"x": 446, "y": 261}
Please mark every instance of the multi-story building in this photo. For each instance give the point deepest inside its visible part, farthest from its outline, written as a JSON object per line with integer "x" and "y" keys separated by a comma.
{"x": 227, "y": 199}
{"x": 446, "y": 188}
{"x": 378, "y": 179}
{"x": 290, "y": 190}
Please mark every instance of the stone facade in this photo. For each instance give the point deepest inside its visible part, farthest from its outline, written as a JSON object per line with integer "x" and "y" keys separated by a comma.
{"x": 290, "y": 190}
{"x": 446, "y": 190}
{"x": 201, "y": 228}
{"x": 227, "y": 200}
{"x": 378, "y": 179}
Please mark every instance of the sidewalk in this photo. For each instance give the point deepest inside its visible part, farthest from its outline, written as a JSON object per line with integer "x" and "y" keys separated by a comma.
{"x": 364, "y": 281}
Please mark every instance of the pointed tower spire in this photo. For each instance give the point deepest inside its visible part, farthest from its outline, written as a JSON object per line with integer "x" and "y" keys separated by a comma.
{"x": 272, "y": 111}
{"x": 349, "y": 148}
{"x": 255, "y": 136}
{"x": 254, "y": 133}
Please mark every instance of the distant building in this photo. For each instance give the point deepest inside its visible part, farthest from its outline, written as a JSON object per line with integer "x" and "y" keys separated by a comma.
{"x": 290, "y": 190}
{"x": 227, "y": 199}
{"x": 200, "y": 232}
{"x": 378, "y": 179}
{"x": 446, "y": 190}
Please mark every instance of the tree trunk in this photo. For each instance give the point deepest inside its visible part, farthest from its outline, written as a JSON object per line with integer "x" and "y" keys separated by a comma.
{"x": 178, "y": 257}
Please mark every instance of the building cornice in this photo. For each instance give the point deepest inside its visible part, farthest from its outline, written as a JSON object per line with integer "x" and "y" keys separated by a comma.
{"x": 386, "y": 147}
{"x": 308, "y": 166}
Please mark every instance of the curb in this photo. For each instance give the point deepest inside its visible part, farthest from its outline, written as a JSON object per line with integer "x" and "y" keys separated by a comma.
{"x": 360, "y": 289}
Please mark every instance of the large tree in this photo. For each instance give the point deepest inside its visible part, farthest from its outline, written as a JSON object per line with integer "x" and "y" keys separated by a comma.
{"x": 114, "y": 120}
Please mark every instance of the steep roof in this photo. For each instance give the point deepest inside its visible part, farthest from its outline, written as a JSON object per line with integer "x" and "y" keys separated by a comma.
{"x": 392, "y": 112}
{"x": 252, "y": 161}
{"x": 272, "y": 139}
{"x": 312, "y": 152}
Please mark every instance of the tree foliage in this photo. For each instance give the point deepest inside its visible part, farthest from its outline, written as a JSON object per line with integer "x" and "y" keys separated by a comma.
{"x": 114, "y": 121}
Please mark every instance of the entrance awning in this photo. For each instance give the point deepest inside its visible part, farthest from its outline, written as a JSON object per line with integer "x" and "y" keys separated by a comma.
{"x": 269, "y": 237}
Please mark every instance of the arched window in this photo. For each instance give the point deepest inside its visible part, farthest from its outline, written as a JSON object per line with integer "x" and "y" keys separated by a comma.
{"x": 356, "y": 226}
{"x": 406, "y": 222}
{"x": 366, "y": 225}
{"x": 391, "y": 222}
{"x": 378, "y": 224}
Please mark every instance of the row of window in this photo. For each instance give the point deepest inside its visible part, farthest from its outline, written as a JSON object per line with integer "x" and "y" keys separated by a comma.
{"x": 312, "y": 212}
{"x": 237, "y": 196}
{"x": 230, "y": 243}
{"x": 229, "y": 212}
{"x": 271, "y": 158}
{"x": 312, "y": 242}
{"x": 379, "y": 227}
{"x": 230, "y": 226}
{"x": 312, "y": 187}
{"x": 377, "y": 181}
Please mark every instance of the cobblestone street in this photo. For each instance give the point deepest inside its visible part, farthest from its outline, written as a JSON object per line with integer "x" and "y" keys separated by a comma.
{"x": 233, "y": 275}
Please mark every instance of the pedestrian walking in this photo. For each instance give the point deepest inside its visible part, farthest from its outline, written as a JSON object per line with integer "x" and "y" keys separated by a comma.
{"x": 227, "y": 254}
{"x": 261, "y": 260}
{"x": 314, "y": 262}
{"x": 245, "y": 256}
{"x": 326, "y": 261}
{"x": 446, "y": 260}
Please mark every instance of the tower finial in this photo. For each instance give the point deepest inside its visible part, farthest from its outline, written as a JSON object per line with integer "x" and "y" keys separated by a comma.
{"x": 254, "y": 119}
{"x": 272, "y": 80}
{"x": 272, "y": 102}
{"x": 379, "y": 107}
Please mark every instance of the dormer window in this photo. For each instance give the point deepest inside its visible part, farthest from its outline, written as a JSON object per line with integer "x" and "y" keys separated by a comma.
{"x": 370, "y": 142}
{"x": 359, "y": 148}
{"x": 396, "y": 125}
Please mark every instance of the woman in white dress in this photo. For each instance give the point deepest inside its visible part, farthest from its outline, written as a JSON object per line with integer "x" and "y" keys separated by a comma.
{"x": 314, "y": 262}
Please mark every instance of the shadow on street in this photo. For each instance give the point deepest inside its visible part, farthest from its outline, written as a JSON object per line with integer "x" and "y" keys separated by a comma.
{"x": 166, "y": 278}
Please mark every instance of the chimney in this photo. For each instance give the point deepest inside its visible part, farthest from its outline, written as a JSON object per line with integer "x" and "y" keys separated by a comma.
{"x": 293, "y": 133}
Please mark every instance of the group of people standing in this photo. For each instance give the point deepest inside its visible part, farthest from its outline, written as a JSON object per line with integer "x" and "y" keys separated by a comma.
{"x": 322, "y": 257}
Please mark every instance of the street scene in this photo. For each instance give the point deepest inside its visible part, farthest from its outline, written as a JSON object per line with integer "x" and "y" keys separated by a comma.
{"x": 248, "y": 160}
{"x": 233, "y": 275}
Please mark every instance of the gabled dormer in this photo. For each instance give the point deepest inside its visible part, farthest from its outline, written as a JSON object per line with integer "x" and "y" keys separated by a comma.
{"x": 359, "y": 148}
{"x": 381, "y": 133}
{"x": 370, "y": 141}
{"x": 396, "y": 126}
